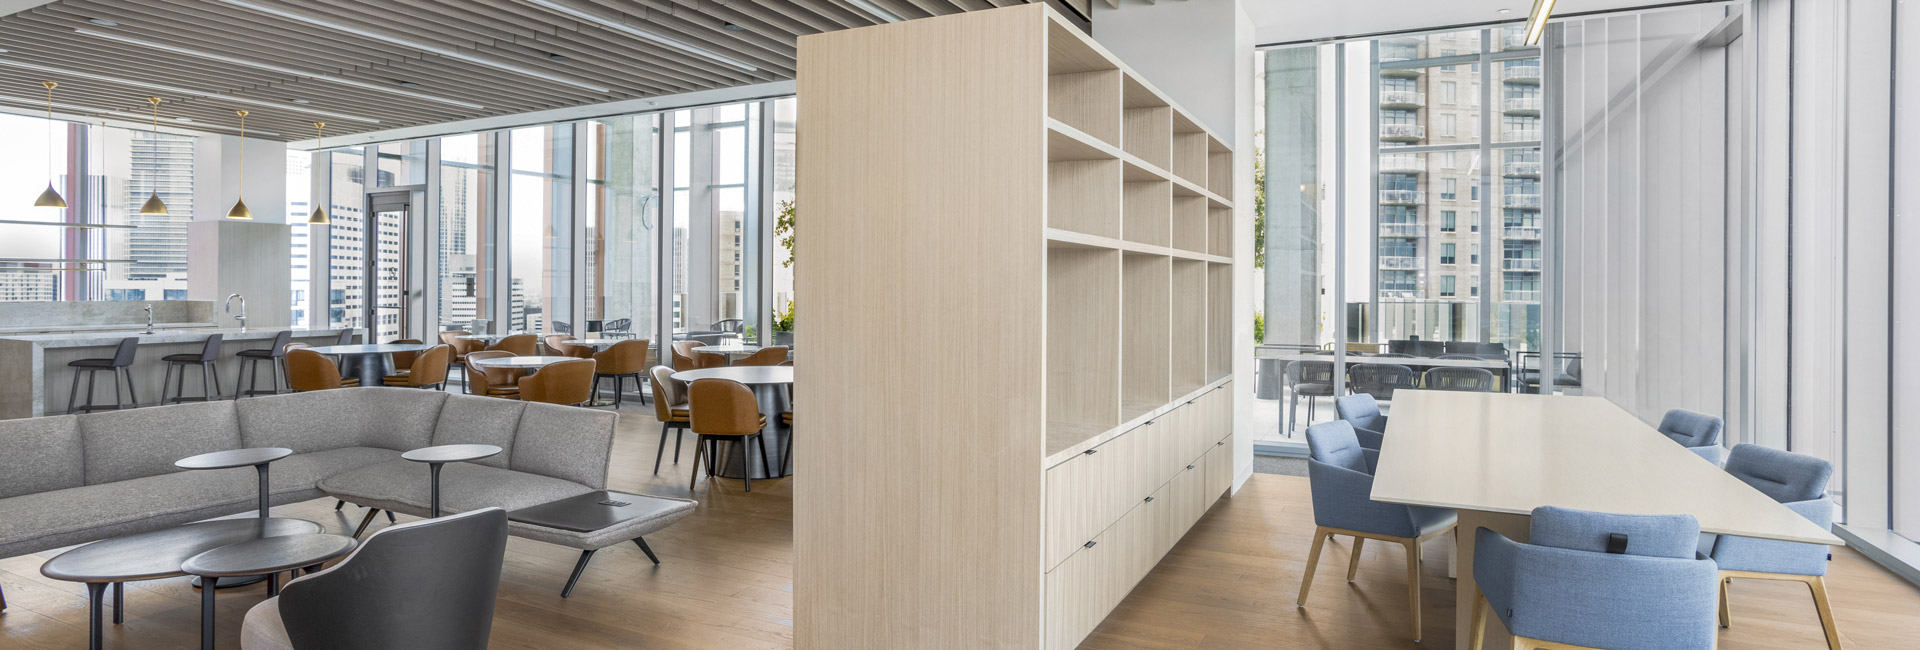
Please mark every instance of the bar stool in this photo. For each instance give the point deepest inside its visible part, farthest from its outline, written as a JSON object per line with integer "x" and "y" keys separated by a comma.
{"x": 122, "y": 358}
{"x": 275, "y": 356}
{"x": 209, "y": 380}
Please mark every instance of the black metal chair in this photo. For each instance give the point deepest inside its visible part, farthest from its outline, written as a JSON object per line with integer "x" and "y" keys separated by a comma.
{"x": 275, "y": 356}
{"x": 1471, "y": 380}
{"x": 423, "y": 585}
{"x": 209, "y": 379}
{"x": 1380, "y": 379}
{"x": 122, "y": 359}
{"x": 562, "y": 327}
{"x": 1307, "y": 379}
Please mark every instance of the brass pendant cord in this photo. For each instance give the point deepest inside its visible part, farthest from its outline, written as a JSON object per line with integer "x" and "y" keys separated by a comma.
{"x": 51, "y": 197}
{"x": 319, "y": 215}
{"x": 154, "y": 206}
{"x": 240, "y": 210}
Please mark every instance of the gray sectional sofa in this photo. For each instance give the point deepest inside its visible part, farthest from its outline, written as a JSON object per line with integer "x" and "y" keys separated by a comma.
{"x": 79, "y": 478}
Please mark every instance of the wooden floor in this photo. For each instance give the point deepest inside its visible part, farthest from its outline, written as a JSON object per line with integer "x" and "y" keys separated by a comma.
{"x": 725, "y": 583}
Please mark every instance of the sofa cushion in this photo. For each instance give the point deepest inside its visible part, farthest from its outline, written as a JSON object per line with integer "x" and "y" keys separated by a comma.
{"x": 124, "y": 445}
{"x": 37, "y": 522}
{"x": 405, "y": 486}
{"x": 303, "y": 472}
{"x": 565, "y": 442}
{"x": 43, "y": 454}
{"x": 472, "y": 420}
{"x": 390, "y": 418}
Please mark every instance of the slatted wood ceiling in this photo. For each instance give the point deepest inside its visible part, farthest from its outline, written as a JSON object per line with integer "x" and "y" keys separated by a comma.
{"x": 110, "y": 70}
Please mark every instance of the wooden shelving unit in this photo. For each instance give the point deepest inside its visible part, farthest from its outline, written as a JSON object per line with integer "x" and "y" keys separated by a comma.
{"x": 1015, "y": 402}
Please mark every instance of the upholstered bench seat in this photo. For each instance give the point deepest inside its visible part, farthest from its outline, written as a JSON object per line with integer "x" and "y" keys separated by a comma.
{"x": 32, "y": 523}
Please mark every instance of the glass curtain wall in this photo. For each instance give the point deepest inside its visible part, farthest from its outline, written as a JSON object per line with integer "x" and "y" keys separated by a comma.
{"x": 713, "y": 151}
{"x": 622, "y": 222}
{"x": 344, "y": 236}
{"x": 466, "y": 199}
{"x": 786, "y": 114}
{"x": 540, "y": 230}
{"x": 300, "y": 235}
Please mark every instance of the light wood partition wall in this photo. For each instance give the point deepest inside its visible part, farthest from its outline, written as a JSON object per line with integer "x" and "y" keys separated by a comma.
{"x": 1022, "y": 262}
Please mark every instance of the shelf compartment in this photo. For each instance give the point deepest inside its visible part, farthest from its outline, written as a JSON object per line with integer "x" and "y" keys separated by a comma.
{"x": 1219, "y": 171}
{"x": 1149, "y": 123}
{"x": 1219, "y": 231}
{"x": 1084, "y": 196}
{"x": 1147, "y": 212}
{"x": 1219, "y": 320}
{"x": 1146, "y": 328}
{"x": 1189, "y": 321}
{"x": 1067, "y": 143}
{"x": 1190, "y": 156}
{"x": 1088, "y": 101}
{"x": 1190, "y": 230}
{"x": 1083, "y": 348}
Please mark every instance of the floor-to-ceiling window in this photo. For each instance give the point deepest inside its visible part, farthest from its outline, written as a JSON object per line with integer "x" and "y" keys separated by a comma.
{"x": 345, "y": 236}
{"x": 300, "y": 236}
{"x": 786, "y": 217}
{"x": 540, "y": 229}
{"x": 714, "y": 149}
{"x": 623, "y": 224}
{"x": 464, "y": 235}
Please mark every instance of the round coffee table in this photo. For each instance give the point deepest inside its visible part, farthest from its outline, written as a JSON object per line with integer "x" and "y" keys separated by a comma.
{"x": 155, "y": 555}
{"x": 269, "y": 556}
{"x": 435, "y": 457}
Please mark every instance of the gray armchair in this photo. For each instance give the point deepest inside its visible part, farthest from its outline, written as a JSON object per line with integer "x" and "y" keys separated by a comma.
{"x": 1472, "y": 380}
{"x": 1799, "y": 482}
{"x": 1698, "y": 432}
{"x": 1380, "y": 380}
{"x": 1363, "y": 413}
{"x": 1340, "y": 472}
{"x": 425, "y": 585}
{"x": 1309, "y": 379}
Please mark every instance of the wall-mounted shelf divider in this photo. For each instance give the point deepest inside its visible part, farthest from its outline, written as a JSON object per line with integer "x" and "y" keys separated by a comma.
{"x": 1081, "y": 388}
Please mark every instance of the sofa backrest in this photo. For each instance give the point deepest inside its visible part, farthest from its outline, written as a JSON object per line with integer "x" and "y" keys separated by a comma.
{"x": 475, "y": 420}
{"x": 125, "y": 445}
{"x": 565, "y": 442}
{"x": 400, "y": 419}
{"x": 43, "y": 455}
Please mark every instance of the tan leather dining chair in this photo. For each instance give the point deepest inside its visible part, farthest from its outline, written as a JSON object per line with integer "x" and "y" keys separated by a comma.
{"x": 403, "y": 361}
{"x": 619, "y": 362}
{"x": 429, "y": 370}
{"x": 309, "y": 370}
{"x": 460, "y": 349}
{"x": 767, "y": 356}
{"x": 684, "y": 358}
{"x": 724, "y": 410}
{"x": 566, "y": 383}
{"x": 557, "y": 344}
{"x": 492, "y": 382}
{"x": 671, "y": 407}
{"x": 519, "y": 344}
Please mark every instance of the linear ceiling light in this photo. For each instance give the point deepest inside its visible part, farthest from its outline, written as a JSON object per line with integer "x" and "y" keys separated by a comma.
{"x": 875, "y": 10}
{"x": 185, "y": 91}
{"x": 616, "y": 25}
{"x": 274, "y": 68}
{"x": 451, "y": 54}
{"x": 1537, "y": 23}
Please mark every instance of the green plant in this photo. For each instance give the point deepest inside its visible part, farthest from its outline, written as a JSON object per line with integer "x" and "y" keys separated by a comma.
{"x": 783, "y": 318}
{"x": 783, "y": 227}
{"x": 1259, "y": 327}
{"x": 1259, "y": 208}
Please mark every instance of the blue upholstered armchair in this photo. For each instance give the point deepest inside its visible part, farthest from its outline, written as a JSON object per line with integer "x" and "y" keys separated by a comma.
{"x": 1565, "y": 588}
{"x": 1799, "y": 482}
{"x": 1698, "y": 432}
{"x": 1341, "y": 474}
{"x": 1363, "y": 413}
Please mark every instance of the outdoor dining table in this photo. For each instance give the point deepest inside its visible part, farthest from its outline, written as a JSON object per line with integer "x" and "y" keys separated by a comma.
{"x": 770, "y": 386}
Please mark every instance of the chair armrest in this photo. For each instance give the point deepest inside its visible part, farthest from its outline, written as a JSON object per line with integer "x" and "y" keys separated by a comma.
{"x": 1604, "y": 600}
{"x": 1341, "y": 500}
{"x": 1493, "y": 562}
{"x": 1369, "y": 439}
{"x": 1774, "y": 556}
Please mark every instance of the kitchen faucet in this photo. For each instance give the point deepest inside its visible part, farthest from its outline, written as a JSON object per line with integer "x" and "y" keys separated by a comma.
{"x": 149, "y": 319}
{"x": 243, "y": 310}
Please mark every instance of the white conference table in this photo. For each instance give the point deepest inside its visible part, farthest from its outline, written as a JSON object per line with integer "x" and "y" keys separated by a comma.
{"x": 1494, "y": 457}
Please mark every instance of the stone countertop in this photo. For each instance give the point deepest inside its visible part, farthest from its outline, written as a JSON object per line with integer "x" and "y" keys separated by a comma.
{"x": 81, "y": 329}
{"x": 161, "y": 334}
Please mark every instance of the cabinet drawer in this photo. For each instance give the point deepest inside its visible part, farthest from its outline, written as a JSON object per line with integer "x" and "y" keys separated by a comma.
{"x": 1184, "y": 496}
{"x": 1074, "y": 593}
{"x": 1219, "y": 466}
{"x": 1076, "y": 506}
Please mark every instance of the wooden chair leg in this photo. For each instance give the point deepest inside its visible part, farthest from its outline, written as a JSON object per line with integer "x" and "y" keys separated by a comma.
{"x": 1353, "y": 560}
{"x": 1818, "y": 585}
{"x": 1313, "y": 558}
{"x": 1726, "y": 616}
{"x": 1413, "y": 582}
{"x": 1477, "y": 623}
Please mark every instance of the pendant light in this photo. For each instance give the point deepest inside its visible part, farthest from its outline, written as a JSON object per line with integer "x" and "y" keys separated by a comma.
{"x": 240, "y": 210}
{"x": 50, "y": 198}
{"x": 319, "y": 213}
{"x": 154, "y": 205}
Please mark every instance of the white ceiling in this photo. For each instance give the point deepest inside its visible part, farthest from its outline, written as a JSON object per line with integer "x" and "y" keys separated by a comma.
{"x": 1287, "y": 21}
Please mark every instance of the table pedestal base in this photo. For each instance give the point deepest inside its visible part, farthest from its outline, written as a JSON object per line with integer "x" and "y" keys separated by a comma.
{"x": 1465, "y": 589}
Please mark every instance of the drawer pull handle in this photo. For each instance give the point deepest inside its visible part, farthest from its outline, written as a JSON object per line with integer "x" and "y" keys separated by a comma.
{"x": 1220, "y": 444}
{"x": 1189, "y": 467}
{"x": 1090, "y": 544}
{"x": 1149, "y": 499}
{"x": 1091, "y": 452}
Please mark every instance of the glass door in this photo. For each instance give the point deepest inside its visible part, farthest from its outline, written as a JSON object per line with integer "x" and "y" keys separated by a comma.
{"x": 388, "y": 265}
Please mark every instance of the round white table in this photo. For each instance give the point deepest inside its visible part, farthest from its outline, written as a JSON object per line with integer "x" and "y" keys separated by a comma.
{"x": 530, "y": 363}
{"x": 488, "y": 339}
{"x": 730, "y": 350}
{"x": 770, "y": 390}
{"x": 369, "y": 362}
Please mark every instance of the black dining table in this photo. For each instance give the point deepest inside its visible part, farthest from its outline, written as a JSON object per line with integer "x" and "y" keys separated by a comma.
{"x": 370, "y": 362}
{"x": 771, "y": 387}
